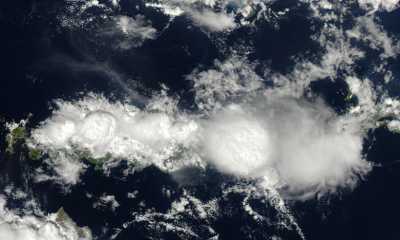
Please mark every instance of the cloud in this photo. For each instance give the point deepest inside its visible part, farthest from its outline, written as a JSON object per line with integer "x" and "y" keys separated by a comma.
{"x": 374, "y": 5}
{"x": 30, "y": 227}
{"x": 368, "y": 31}
{"x": 226, "y": 81}
{"x": 115, "y": 3}
{"x": 243, "y": 12}
{"x": 67, "y": 169}
{"x": 136, "y": 27}
{"x": 241, "y": 126}
{"x": 212, "y": 21}
{"x": 255, "y": 138}
{"x": 108, "y": 201}
{"x": 126, "y": 32}
{"x": 95, "y": 125}
{"x": 237, "y": 142}
{"x": 303, "y": 148}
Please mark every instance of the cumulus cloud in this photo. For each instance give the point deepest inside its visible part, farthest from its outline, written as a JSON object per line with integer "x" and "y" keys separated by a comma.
{"x": 100, "y": 127}
{"x": 237, "y": 142}
{"x": 126, "y": 32}
{"x": 107, "y": 201}
{"x": 374, "y": 5}
{"x": 115, "y": 3}
{"x": 29, "y": 227}
{"x": 368, "y": 31}
{"x": 67, "y": 169}
{"x": 212, "y": 21}
{"x": 245, "y": 12}
{"x": 241, "y": 127}
{"x": 344, "y": 46}
{"x": 226, "y": 81}
{"x": 297, "y": 145}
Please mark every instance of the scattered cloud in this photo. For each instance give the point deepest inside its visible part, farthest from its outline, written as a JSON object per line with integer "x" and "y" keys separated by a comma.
{"x": 368, "y": 31}
{"x": 374, "y": 5}
{"x": 241, "y": 127}
{"x": 212, "y": 21}
{"x": 126, "y": 32}
{"x": 226, "y": 81}
{"x": 31, "y": 227}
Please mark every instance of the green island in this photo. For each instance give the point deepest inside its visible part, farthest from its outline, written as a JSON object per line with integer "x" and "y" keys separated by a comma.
{"x": 66, "y": 221}
{"x": 17, "y": 135}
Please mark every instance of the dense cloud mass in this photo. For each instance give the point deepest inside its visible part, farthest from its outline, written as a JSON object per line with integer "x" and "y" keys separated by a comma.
{"x": 237, "y": 142}
{"x": 306, "y": 145}
{"x": 96, "y": 125}
{"x": 294, "y": 144}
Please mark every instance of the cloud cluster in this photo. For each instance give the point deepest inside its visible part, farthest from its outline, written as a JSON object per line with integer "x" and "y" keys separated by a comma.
{"x": 95, "y": 125}
{"x": 241, "y": 127}
{"x": 225, "y": 82}
{"x": 212, "y": 21}
{"x": 29, "y": 227}
{"x": 367, "y": 30}
{"x": 213, "y": 15}
{"x": 237, "y": 142}
{"x": 297, "y": 145}
{"x": 127, "y": 32}
{"x": 374, "y": 5}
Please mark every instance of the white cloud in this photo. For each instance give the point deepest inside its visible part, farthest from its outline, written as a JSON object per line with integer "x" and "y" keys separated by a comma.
{"x": 368, "y": 31}
{"x": 237, "y": 142}
{"x": 131, "y": 32}
{"x": 115, "y": 3}
{"x": 247, "y": 12}
{"x": 341, "y": 55}
{"x": 304, "y": 146}
{"x": 101, "y": 127}
{"x": 175, "y": 8}
{"x": 68, "y": 169}
{"x": 169, "y": 10}
{"x": 374, "y": 5}
{"x": 212, "y": 21}
{"x": 135, "y": 27}
{"x": 107, "y": 201}
{"x": 29, "y": 227}
{"x": 242, "y": 127}
{"x": 225, "y": 82}
{"x": 254, "y": 138}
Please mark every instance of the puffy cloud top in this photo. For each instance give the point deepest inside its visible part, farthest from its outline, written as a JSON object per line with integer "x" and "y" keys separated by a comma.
{"x": 212, "y": 21}
{"x": 296, "y": 145}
